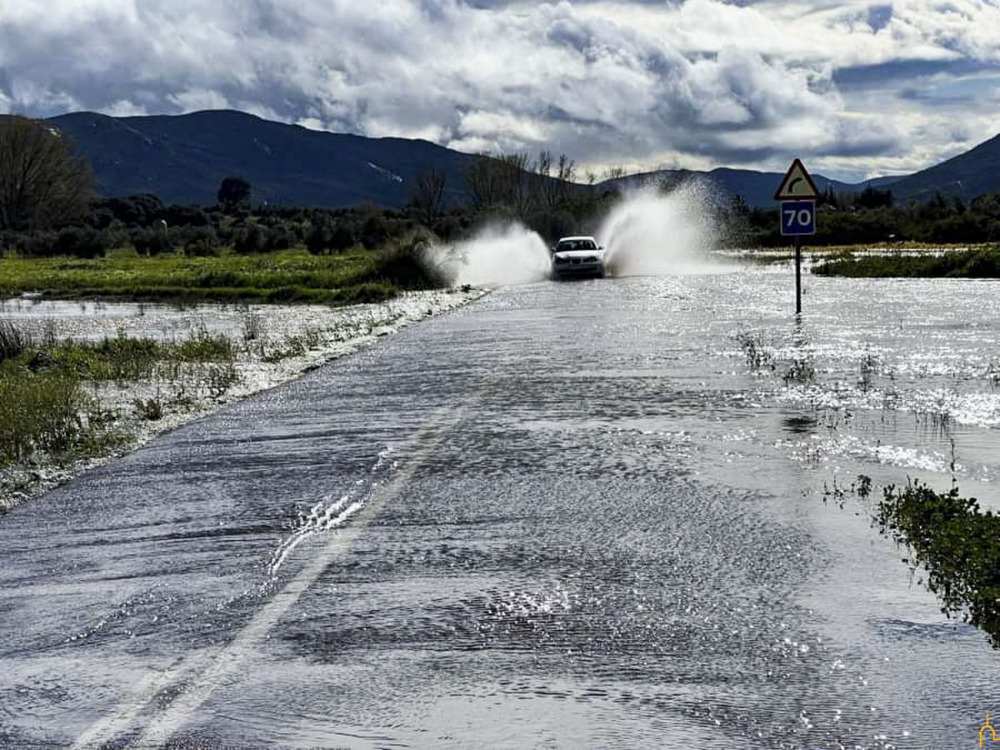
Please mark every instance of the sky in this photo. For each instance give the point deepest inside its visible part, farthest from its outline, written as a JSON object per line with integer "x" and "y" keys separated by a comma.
{"x": 857, "y": 89}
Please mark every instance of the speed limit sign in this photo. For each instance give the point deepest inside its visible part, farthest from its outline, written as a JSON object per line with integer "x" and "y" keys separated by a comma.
{"x": 798, "y": 218}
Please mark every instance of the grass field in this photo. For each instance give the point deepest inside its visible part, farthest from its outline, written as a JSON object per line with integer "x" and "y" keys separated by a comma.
{"x": 977, "y": 263}
{"x": 283, "y": 276}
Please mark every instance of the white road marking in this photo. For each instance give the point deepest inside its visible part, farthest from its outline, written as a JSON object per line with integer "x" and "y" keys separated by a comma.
{"x": 226, "y": 661}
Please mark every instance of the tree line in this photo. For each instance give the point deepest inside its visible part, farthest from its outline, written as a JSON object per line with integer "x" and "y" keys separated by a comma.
{"x": 48, "y": 207}
{"x": 872, "y": 216}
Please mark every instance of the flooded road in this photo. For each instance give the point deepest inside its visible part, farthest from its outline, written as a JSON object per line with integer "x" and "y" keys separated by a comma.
{"x": 568, "y": 515}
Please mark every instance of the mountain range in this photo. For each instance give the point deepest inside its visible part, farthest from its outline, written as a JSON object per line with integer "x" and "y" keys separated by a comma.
{"x": 183, "y": 158}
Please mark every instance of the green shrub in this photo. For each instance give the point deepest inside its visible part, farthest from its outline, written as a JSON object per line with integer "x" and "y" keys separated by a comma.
{"x": 404, "y": 264}
{"x": 81, "y": 242}
{"x": 134, "y": 210}
{"x": 38, "y": 412}
{"x": 149, "y": 410}
{"x": 204, "y": 248}
{"x": 250, "y": 239}
{"x": 280, "y": 237}
{"x": 202, "y": 242}
{"x": 14, "y": 341}
{"x": 983, "y": 263}
{"x": 151, "y": 242}
{"x": 37, "y": 244}
{"x": 374, "y": 232}
{"x": 955, "y": 542}
{"x": 319, "y": 236}
{"x": 186, "y": 216}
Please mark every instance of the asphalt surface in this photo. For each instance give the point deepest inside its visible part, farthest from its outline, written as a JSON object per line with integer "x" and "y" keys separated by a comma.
{"x": 564, "y": 516}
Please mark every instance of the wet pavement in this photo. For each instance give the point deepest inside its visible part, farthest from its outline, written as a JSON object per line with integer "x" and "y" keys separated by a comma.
{"x": 568, "y": 515}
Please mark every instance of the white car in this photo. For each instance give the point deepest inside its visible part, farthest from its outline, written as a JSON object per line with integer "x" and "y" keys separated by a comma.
{"x": 577, "y": 256}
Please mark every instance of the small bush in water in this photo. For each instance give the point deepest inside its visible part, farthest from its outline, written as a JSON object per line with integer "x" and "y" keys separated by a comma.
{"x": 955, "y": 542}
{"x": 756, "y": 349}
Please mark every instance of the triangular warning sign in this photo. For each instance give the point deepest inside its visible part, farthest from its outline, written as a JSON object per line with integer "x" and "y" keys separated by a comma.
{"x": 798, "y": 185}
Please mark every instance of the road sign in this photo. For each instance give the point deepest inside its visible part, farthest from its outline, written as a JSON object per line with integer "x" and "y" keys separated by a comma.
{"x": 798, "y": 185}
{"x": 798, "y": 218}
{"x": 798, "y": 195}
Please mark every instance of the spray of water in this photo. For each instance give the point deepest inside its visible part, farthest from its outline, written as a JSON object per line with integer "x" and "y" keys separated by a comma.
{"x": 648, "y": 233}
{"x": 498, "y": 256}
{"x": 654, "y": 234}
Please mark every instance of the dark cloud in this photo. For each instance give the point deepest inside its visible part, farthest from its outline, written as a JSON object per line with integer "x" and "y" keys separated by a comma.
{"x": 879, "y": 16}
{"x": 636, "y": 82}
{"x": 900, "y": 72}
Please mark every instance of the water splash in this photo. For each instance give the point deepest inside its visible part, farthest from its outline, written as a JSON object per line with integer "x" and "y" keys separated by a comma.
{"x": 655, "y": 234}
{"x": 499, "y": 255}
{"x": 329, "y": 514}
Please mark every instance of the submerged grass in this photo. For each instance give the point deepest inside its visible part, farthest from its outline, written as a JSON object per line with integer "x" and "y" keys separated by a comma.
{"x": 13, "y": 341}
{"x": 981, "y": 263}
{"x": 351, "y": 277}
{"x": 38, "y": 412}
{"x": 121, "y": 359}
{"x": 757, "y": 348}
{"x": 50, "y": 413}
{"x": 44, "y": 408}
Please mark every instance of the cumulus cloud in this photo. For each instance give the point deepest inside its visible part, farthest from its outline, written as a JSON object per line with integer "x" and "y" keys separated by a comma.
{"x": 695, "y": 83}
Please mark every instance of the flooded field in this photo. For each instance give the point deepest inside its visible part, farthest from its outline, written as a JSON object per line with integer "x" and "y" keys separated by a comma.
{"x": 94, "y": 320}
{"x": 567, "y": 515}
{"x": 264, "y": 346}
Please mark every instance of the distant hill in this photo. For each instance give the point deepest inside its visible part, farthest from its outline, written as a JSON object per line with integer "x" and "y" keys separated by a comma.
{"x": 967, "y": 175}
{"x": 182, "y": 159}
{"x": 757, "y": 187}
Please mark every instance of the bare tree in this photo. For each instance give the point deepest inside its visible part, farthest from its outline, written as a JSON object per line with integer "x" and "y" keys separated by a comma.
{"x": 517, "y": 183}
{"x": 42, "y": 181}
{"x": 499, "y": 181}
{"x": 427, "y": 194}
{"x": 513, "y": 170}
{"x": 565, "y": 173}
{"x": 544, "y": 166}
{"x": 542, "y": 192}
{"x": 481, "y": 181}
{"x": 614, "y": 173}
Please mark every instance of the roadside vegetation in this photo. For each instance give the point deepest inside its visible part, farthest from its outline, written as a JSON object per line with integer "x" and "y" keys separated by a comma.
{"x": 279, "y": 276}
{"x": 979, "y": 263}
{"x": 873, "y": 218}
{"x": 47, "y": 409}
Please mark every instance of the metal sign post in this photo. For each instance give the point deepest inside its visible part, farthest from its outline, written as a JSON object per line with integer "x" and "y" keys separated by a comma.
{"x": 798, "y": 195}
{"x": 798, "y": 275}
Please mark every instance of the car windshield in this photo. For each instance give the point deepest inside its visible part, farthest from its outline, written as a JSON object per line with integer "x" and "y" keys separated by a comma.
{"x": 568, "y": 245}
